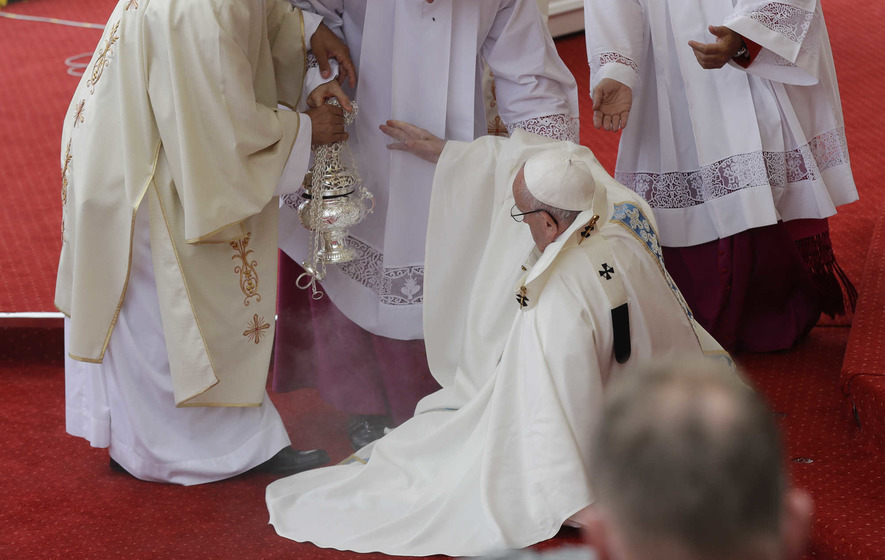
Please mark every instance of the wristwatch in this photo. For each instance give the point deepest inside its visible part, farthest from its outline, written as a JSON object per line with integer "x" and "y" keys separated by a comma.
{"x": 742, "y": 52}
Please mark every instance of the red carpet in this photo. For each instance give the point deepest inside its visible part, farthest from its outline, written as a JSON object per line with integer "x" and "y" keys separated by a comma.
{"x": 59, "y": 498}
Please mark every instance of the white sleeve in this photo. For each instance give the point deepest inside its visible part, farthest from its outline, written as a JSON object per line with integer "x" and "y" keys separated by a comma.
{"x": 617, "y": 34}
{"x": 329, "y": 10}
{"x": 790, "y": 32}
{"x": 299, "y": 159}
{"x": 533, "y": 86}
{"x": 311, "y": 22}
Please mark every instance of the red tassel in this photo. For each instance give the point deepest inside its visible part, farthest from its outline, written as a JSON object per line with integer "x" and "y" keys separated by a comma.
{"x": 834, "y": 288}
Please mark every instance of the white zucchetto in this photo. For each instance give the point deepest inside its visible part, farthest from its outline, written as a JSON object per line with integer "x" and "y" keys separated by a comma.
{"x": 559, "y": 178}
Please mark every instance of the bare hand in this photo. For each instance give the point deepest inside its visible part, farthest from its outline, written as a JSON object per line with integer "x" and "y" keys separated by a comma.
{"x": 325, "y": 45}
{"x": 327, "y": 125}
{"x": 414, "y": 140}
{"x": 326, "y": 91}
{"x": 717, "y": 55}
{"x": 611, "y": 104}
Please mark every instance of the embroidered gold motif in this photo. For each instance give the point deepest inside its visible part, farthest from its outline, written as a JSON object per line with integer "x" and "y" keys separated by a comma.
{"x": 79, "y": 112}
{"x": 255, "y": 329}
{"x": 132, "y": 4}
{"x": 103, "y": 60}
{"x": 246, "y": 270}
{"x": 497, "y": 127}
{"x": 64, "y": 187}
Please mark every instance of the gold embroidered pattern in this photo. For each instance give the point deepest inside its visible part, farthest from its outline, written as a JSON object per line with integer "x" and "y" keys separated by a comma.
{"x": 132, "y": 4}
{"x": 64, "y": 174}
{"x": 79, "y": 112}
{"x": 103, "y": 60}
{"x": 256, "y": 329}
{"x": 64, "y": 187}
{"x": 246, "y": 270}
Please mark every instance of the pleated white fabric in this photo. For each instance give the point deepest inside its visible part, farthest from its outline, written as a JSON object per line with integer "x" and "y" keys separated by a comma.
{"x": 126, "y": 403}
{"x": 717, "y": 152}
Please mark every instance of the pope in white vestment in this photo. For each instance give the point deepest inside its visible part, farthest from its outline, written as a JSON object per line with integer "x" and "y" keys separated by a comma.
{"x": 419, "y": 62}
{"x": 523, "y": 342}
{"x": 722, "y": 154}
{"x": 172, "y": 152}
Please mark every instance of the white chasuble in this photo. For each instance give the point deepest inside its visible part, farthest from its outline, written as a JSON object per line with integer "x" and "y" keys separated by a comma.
{"x": 178, "y": 110}
{"x": 717, "y": 152}
{"x": 423, "y": 63}
{"x": 498, "y": 458}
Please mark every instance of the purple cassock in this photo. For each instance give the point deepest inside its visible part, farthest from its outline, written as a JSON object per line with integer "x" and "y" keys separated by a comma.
{"x": 763, "y": 289}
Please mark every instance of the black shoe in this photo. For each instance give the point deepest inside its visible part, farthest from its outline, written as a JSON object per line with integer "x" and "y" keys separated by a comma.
{"x": 117, "y": 467}
{"x": 364, "y": 429}
{"x": 291, "y": 461}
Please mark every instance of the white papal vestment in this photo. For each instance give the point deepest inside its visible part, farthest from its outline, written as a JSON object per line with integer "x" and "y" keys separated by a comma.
{"x": 498, "y": 458}
{"x": 423, "y": 63}
{"x": 717, "y": 152}
{"x": 172, "y": 155}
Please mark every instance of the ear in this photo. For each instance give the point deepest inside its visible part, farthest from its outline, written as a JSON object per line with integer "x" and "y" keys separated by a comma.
{"x": 551, "y": 230}
{"x": 796, "y": 522}
{"x": 596, "y": 531}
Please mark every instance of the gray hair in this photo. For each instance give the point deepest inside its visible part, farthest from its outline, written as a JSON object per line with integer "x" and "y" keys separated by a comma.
{"x": 688, "y": 454}
{"x": 527, "y": 200}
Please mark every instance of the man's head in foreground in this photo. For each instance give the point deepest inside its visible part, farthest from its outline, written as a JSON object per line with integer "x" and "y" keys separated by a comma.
{"x": 549, "y": 192}
{"x": 688, "y": 466}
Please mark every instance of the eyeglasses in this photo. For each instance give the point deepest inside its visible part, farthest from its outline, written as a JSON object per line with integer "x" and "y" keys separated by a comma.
{"x": 518, "y": 216}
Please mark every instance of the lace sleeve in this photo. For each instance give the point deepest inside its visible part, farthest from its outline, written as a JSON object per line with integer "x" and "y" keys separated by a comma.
{"x": 783, "y": 28}
{"x": 610, "y": 64}
{"x": 557, "y": 127}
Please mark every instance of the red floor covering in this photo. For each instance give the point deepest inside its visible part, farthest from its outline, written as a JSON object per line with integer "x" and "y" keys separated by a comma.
{"x": 59, "y": 499}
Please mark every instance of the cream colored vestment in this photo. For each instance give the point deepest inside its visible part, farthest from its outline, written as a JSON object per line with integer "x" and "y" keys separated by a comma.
{"x": 178, "y": 109}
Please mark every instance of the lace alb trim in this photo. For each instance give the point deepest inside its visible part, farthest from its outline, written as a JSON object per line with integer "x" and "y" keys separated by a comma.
{"x": 312, "y": 61}
{"x": 393, "y": 285}
{"x": 784, "y": 19}
{"x": 684, "y": 189}
{"x": 557, "y": 127}
{"x": 609, "y": 57}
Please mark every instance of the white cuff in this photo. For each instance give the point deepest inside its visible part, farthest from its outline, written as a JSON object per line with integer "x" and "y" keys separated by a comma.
{"x": 299, "y": 159}
{"x": 313, "y": 79}
{"x": 311, "y": 22}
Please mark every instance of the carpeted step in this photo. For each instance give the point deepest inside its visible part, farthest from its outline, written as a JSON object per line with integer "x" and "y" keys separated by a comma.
{"x": 863, "y": 370}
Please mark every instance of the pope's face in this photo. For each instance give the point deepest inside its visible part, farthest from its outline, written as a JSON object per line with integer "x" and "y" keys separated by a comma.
{"x": 542, "y": 227}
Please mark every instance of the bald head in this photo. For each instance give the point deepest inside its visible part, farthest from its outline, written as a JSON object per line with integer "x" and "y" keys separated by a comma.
{"x": 688, "y": 456}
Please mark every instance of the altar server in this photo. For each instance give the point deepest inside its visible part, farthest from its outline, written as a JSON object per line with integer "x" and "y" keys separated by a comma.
{"x": 733, "y": 133}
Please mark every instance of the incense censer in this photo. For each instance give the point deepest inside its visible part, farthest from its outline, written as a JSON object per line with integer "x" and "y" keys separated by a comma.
{"x": 333, "y": 201}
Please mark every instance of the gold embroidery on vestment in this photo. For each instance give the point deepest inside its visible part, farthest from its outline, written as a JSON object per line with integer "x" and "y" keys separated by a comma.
{"x": 103, "y": 60}
{"x": 132, "y": 4}
{"x": 247, "y": 271}
{"x": 256, "y": 328}
{"x": 79, "y": 112}
{"x": 497, "y": 127}
{"x": 64, "y": 188}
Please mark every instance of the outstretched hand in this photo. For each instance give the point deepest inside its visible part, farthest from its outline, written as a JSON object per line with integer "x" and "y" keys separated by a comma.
{"x": 716, "y": 55}
{"x": 612, "y": 101}
{"x": 325, "y": 45}
{"x": 414, "y": 140}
